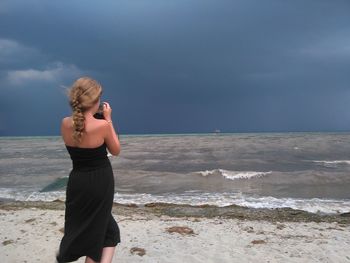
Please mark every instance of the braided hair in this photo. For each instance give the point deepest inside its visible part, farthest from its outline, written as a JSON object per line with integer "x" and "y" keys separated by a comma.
{"x": 83, "y": 94}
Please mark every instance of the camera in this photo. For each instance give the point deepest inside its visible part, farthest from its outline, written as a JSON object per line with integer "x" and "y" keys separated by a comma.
{"x": 99, "y": 113}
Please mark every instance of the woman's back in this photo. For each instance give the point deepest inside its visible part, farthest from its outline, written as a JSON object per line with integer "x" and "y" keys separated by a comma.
{"x": 96, "y": 133}
{"x": 93, "y": 135}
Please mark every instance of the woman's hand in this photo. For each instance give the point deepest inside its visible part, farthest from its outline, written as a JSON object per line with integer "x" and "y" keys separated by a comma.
{"x": 107, "y": 111}
{"x": 111, "y": 137}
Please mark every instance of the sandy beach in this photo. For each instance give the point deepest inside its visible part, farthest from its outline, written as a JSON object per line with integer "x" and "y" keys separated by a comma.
{"x": 31, "y": 231}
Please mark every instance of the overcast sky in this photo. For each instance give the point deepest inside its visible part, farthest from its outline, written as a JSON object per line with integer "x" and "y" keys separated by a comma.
{"x": 178, "y": 66}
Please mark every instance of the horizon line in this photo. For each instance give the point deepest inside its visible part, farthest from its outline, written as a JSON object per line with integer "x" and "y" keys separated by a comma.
{"x": 191, "y": 133}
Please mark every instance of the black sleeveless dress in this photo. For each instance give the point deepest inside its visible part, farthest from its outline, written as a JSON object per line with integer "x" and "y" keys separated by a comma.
{"x": 89, "y": 225}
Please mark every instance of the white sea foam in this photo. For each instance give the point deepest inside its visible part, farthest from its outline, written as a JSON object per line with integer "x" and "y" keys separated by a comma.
{"x": 29, "y": 195}
{"x": 313, "y": 205}
{"x": 233, "y": 175}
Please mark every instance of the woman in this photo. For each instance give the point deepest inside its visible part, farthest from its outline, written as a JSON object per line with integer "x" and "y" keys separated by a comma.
{"x": 89, "y": 228}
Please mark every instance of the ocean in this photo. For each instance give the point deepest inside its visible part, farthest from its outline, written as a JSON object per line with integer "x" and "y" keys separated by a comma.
{"x": 307, "y": 171}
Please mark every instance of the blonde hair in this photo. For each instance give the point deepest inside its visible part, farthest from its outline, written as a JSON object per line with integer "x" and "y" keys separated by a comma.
{"x": 83, "y": 94}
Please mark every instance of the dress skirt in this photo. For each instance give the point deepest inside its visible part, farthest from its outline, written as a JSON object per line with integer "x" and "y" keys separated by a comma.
{"x": 89, "y": 224}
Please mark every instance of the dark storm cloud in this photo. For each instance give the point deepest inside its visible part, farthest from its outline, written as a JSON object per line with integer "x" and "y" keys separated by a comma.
{"x": 182, "y": 66}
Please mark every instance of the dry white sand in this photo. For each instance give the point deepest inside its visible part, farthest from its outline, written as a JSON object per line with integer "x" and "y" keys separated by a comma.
{"x": 33, "y": 235}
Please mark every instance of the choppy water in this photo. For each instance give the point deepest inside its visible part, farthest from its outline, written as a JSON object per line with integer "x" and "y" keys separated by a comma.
{"x": 309, "y": 171}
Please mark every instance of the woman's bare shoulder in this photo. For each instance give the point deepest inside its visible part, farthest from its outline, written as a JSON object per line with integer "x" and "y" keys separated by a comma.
{"x": 67, "y": 122}
{"x": 101, "y": 125}
{"x": 96, "y": 126}
{"x": 102, "y": 122}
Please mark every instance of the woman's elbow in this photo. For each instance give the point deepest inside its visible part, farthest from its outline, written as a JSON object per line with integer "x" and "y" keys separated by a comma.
{"x": 116, "y": 151}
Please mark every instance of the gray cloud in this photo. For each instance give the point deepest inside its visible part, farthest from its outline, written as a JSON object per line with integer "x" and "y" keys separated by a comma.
{"x": 184, "y": 66}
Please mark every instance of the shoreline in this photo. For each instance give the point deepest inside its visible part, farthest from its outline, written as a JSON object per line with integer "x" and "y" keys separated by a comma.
{"x": 152, "y": 210}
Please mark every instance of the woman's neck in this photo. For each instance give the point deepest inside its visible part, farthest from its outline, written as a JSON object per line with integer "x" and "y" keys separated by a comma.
{"x": 88, "y": 115}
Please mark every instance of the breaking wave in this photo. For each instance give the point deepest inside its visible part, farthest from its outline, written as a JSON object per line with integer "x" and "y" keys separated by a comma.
{"x": 234, "y": 175}
{"x": 332, "y": 163}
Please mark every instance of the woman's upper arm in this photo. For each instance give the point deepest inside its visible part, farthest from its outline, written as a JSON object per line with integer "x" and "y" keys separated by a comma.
{"x": 65, "y": 128}
{"x": 111, "y": 139}
{"x": 63, "y": 125}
